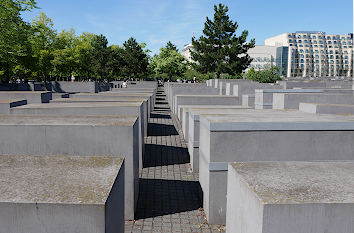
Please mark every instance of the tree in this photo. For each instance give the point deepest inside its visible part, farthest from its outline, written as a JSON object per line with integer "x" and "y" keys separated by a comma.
{"x": 115, "y": 62}
{"x": 169, "y": 63}
{"x": 270, "y": 75}
{"x": 100, "y": 53}
{"x": 43, "y": 40}
{"x": 14, "y": 32}
{"x": 219, "y": 50}
{"x": 135, "y": 60}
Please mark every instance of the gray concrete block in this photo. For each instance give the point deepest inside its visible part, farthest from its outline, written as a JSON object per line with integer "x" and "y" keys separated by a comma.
{"x": 91, "y": 109}
{"x": 248, "y": 101}
{"x": 192, "y": 129}
{"x": 72, "y": 87}
{"x": 292, "y": 100}
{"x": 56, "y": 96}
{"x": 31, "y": 96}
{"x": 339, "y": 109}
{"x": 204, "y": 100}
{"x": 264, "y": 98}
{"x": 77, "y": 136}
{"x": 265, "y": 135}
{"x": 292, "y": 197}
{"x": 56, "y": 194}
{"x": 5, "y": 105}
{"x": 144, "y": 100}
{"x": 112, "y": 95}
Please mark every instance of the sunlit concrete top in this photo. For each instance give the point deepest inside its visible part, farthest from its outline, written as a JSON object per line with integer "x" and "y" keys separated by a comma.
{"x": 299, "y": 182}
{"x": 24, "y": 92}
{"x": 83, "y": 105}
{"x": 251, "y": 119}
{"x": 73, "y": 100}
{"x": 8, "y": 101}
{"x": 67, "y": 120}
{"x": 57, "y": 179}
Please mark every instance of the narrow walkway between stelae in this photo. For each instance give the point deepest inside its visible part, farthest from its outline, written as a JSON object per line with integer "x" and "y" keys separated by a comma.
{"x": 170, "y": 197}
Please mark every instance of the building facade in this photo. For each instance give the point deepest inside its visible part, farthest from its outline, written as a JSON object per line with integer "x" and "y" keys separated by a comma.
{"x": 263, "y": 57}
{"x": 186, "y": 53}
{"x": 313, "y": 54}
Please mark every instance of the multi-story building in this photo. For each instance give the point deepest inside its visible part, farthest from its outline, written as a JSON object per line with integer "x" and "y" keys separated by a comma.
{"x": 313, "y": 54}
{"x": 186, "y": 53}
{"x": 263, "y": 57}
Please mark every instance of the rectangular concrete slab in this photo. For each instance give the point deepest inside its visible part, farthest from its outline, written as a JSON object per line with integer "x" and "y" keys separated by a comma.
{"x": 56, "y": 194}
{"x": 193, "y": 130}
{"x": 5, "y": 105}
{"x": 92, "y": 109}
{"x": 79, "y": 136}
{"x": 265, "y": 135}
{"x": 30, "y": 96}
{"x": 316, "y": 108}
{"x": 204, "y": 100}
{"x": 292, "y": 100}
{"x": 292, "y": 197}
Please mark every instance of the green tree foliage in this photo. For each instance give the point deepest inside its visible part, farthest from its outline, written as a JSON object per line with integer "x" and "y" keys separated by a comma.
{"x": 219, "y": 50}
{"x": 169, "y": 63}
{"x": 135, "y": 60}
{"x": 43, "y": 40}
{"x": 14, "y": 32}
{"x": 270, "y": 75}
{"x": 38, "y": 51}
{"x": 100, "y": 53}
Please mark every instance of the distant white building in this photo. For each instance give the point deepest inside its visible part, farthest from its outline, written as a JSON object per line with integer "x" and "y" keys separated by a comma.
{"x": 186, "y": 53}
{"x": 263, "y": 57}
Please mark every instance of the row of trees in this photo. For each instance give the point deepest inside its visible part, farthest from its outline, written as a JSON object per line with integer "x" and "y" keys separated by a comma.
{"x": 38, "y": 51}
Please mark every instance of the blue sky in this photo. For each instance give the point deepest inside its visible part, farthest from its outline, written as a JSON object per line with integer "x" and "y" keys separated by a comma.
{"x": 158, "y": 21}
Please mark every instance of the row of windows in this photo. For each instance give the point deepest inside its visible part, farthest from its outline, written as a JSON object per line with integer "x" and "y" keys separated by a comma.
{"x": 322, "y": 51}
{"x": 322, "y": 46}
{"x": 320, "y": 37}
{"x": 320, "y": 42}
{"x": 261, "y": 59}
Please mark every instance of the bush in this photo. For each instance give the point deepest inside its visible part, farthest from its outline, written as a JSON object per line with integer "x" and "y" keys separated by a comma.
{"x": 270, "y": 75}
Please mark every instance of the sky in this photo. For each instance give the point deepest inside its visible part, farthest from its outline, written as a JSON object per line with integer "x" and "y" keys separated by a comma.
{"x": 156, "y": 22}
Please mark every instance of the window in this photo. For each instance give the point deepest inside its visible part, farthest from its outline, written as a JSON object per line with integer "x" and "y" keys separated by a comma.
{"x": 333, "y": 37}
{"x": 306, "y": 45}
{"x": 321, "y": 46}
{"x": 302, "y": 61}
{"x": 316, "y": 51}
{"x": 343, "y": 38}
{"x": 345, "y": 52}
{"x": 313, "y": 37}
{"x": 299, "y": 41}
{"x": 315, "y": 46}
{"x": 344, "y": 43}
{"x": 344, "y": 46}
{"x": 301, "y": 51}
{"x": 329, "y": 42}
{"x": 289, "y": 36}
{"x": 307, "y": 51}
{"x": 315, "y": 41}
{"x": 300, "y": 45}
{"x": 328, "y": 37}
{"x": 291, "y": 44}
{"x": 331, "y": 52}
{"x": 332, "y": 62}
{"x": 298, "y": 36}
{"x": 335, "y": 42}
{"x": 305, "y": 36}
{"x": 345, "y": 62}
{"x": 331, "y": 57}
{"x": 317, "y": 56}
{"x": 302, "y": 55}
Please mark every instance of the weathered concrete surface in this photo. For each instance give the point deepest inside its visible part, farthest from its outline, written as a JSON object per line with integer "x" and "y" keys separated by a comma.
{"x": 72, "y": 87}
{"x": 192, "y": 137}
{"x": 292, "y": 100}
{"x": 91, "y": 109}
{"x": 248, "y": 88}
{"x": 30, "y": 96}
{"x": 5, "y": 105}
{"x": 110, "y": 95}
{"x": 340, "y": 109}
{"x": 265, "y": 135}
{"x": 56, "y": 194}
{"x": 77, "y": 136}
{"x": 248, "y": 101}
{"x": 145, "y": 100}
{"x": 56, "y": 96}
{"x": 292, "y": 197}
{"x": 316, "y": 84}
{"x": 204, "y": 100}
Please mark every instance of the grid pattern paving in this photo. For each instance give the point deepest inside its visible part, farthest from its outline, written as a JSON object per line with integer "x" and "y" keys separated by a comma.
{"x": 170, "y": 196}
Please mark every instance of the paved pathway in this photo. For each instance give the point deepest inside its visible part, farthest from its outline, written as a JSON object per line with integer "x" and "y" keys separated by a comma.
{"x": 170, "y": 197}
